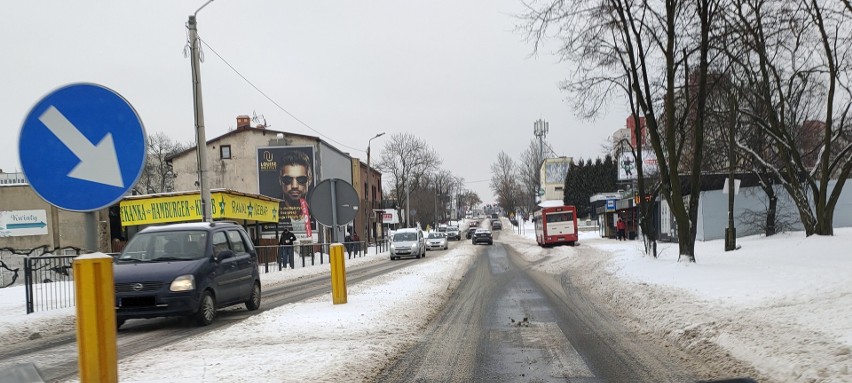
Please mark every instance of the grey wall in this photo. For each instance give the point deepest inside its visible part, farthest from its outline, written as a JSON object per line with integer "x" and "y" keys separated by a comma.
{"x": 713, "y": 211}
{"x": 334, "y": 163}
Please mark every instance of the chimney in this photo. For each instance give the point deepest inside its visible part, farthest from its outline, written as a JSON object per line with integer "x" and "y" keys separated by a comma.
{"x": 243, "y": 122}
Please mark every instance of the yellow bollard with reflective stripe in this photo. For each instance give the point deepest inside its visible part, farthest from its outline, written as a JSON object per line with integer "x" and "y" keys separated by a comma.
{"x": 96, "y": 344}
{"x": 338, "y": 274}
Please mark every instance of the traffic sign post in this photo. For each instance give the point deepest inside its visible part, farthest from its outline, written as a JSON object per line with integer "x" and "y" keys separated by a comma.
{"x": 333, "y": 202}
{"x": 82, "y": 147}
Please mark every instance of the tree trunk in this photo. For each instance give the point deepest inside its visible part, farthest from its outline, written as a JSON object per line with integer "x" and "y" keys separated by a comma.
{"x": 771, "y": 212}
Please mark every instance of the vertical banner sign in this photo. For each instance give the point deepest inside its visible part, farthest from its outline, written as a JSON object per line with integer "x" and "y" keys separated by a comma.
{"x": 306, "y": 213}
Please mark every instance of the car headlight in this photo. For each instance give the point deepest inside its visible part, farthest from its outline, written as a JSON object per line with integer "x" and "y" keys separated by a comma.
{"x": 183, "y": 283}
{"x": 414, "y": 246}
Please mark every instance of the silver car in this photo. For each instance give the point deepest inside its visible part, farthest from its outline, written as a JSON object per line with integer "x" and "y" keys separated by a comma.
{"x": 407, "y": 243}
{"x": 436, "y": 240}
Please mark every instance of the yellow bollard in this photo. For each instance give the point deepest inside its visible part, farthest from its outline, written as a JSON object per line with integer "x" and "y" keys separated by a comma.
{"x": 96, "y": 344}
{"x": 338, "y": 274}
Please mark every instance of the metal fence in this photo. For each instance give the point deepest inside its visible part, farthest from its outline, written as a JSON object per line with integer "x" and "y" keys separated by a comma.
{"x": 316, "y": 252}
{"x": 49, "y": 279}
{"x": 49, "y": 282}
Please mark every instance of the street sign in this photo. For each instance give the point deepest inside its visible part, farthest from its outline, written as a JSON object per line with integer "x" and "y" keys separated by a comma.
{"x": 82, "y": 147}
{"x": 18, "y": 223}
{"x": 333, "y": 201}
{"x": 610, "y": 205}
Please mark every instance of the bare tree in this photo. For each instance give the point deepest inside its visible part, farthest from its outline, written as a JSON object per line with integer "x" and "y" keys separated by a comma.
{"x": 529, "y": 175}
{"x": 505, "y": 183}
{"x": 408, "y": 159}
{"x": 157, "y": 175}
{"x": 794, "y": 63}
{"x": 469, "y": 200}
{"x": 617, "y": 45}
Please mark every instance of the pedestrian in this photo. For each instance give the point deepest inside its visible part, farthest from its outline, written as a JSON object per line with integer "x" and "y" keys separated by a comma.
{"x": 347, "y": 241}
{"x": 620, "y": 227}
{"x": 285, "y": 249}
{"x": 356, "y": 242}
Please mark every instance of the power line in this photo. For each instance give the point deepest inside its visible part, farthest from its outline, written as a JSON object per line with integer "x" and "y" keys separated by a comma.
{"x": 273, "y": 101}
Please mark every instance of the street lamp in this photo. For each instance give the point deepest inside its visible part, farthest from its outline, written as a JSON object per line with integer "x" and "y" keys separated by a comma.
{"x": 369, "y": 207}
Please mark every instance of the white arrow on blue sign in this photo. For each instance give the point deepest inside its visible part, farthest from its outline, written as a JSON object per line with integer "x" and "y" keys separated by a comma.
{"x": 82, "y": 147}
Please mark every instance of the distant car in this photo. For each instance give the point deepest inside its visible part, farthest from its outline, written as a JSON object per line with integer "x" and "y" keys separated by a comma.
{"x": 470, "y": 231}
{"x": 188, "y": 269}
{"x": 453, "y": 233}
{"x": 436, "y": 240}
{"x": 482, "y": 236}
{"x": 408, "y": 242}
{"x": 496, "y": 225}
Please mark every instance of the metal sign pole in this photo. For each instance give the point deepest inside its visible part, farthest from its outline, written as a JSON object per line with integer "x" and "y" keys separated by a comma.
{"x": 334, "y": 211}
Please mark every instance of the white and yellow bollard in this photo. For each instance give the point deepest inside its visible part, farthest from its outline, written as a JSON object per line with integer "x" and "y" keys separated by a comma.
{"x": 338, "y": 274}
{"x": 96, "y": 327}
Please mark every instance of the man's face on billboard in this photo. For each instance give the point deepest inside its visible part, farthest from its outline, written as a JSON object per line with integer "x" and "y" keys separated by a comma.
{"x": 294, "y": 182}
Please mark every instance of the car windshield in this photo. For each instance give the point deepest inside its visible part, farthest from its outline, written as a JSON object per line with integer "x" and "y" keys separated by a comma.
{"x": 165, "y": 246}
{"x": 404, "y": 237}
{"x": 435, "y": 235}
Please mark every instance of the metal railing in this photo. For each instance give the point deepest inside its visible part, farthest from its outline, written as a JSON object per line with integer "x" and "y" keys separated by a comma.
{"x": 49, "y": 279}
{"x": 313, "y": 252}
{"x": 49, "y": 282}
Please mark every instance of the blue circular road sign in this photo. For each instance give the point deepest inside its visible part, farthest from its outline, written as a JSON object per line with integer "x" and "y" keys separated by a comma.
{"x": 82, "y": 147}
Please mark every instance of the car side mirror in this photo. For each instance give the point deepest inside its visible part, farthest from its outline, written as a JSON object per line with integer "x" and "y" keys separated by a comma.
{"x": 224, "y": 254}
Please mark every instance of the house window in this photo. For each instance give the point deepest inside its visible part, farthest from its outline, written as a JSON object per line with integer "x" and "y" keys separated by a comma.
{"x": 225, "y": 152}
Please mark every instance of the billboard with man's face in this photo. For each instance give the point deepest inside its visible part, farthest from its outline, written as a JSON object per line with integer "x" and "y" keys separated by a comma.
{"x": 287, "y": 173}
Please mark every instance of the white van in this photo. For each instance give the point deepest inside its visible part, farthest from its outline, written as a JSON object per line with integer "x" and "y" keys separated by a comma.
{"x": 408, "y": 242}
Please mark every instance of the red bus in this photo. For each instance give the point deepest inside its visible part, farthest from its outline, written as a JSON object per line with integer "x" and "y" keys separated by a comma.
{"x": 555, "y": 225}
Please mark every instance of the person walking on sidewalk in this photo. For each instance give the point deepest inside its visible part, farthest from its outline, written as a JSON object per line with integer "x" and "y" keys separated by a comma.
{"x": 620, "y": 227}
{"x": 285, "y": 249}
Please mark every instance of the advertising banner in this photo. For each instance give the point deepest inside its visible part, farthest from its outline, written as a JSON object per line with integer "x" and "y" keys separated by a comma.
{"x": 288, "y": 173}
{"x": 627, "y": 165}
{"x": 187, "y": 208}
{"x": 389, "y": 217}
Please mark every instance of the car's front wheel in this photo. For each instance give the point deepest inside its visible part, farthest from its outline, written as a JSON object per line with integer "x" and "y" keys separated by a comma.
{"x": 253, "y": 303}
{"x": 206, "y": 310}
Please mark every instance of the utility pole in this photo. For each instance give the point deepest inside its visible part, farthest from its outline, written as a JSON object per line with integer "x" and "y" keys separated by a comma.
{"x": 369, "y": 208}
{"x": 407, "y": 204}
{"x": 200, "y": 137}
{"x": 540, "y": 129}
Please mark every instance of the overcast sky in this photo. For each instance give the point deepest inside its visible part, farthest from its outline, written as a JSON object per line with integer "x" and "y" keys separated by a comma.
{"x": 453, "y": 73}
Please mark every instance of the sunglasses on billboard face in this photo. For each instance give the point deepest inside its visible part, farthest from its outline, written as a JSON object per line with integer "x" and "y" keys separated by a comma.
{"x": 287, "y": 180}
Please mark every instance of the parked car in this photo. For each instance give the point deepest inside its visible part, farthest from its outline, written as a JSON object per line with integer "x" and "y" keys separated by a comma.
{"x": 408, "y": 242}
{"x": 453, "y": 233}
{"x": 187, "y": 269}
{"x": 496, "y": 225}
{"x": 436, "y": 240}
{"x": 482, "y": 236}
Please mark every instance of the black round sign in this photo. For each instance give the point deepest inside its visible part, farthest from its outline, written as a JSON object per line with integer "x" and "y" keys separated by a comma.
{"x": 345, "y": 202}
